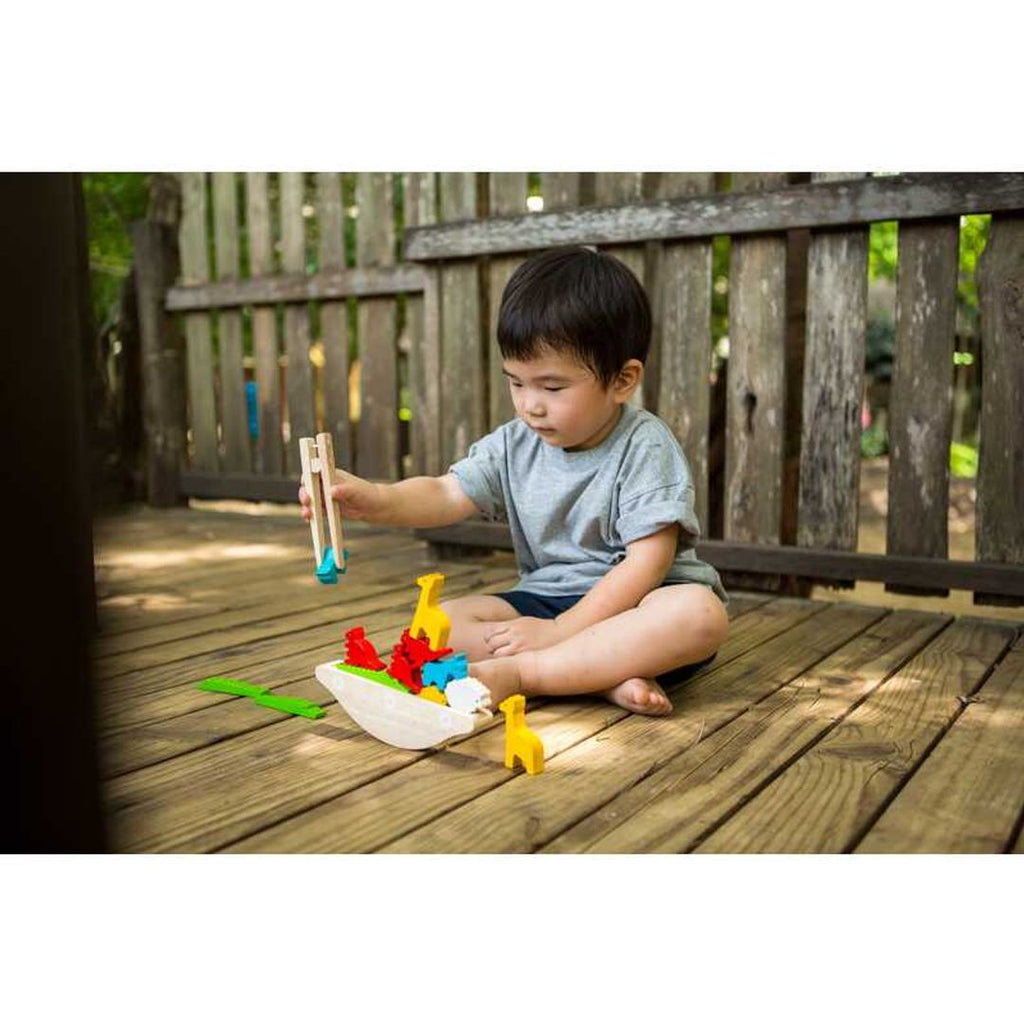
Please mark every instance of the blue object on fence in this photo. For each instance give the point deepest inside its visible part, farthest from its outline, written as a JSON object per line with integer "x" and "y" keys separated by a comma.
{"x": 251, "y": 406}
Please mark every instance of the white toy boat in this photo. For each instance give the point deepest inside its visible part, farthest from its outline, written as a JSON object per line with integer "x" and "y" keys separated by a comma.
{"x": 395, "y": 716}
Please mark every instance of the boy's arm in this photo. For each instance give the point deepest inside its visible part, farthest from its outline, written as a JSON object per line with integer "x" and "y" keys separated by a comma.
{"x": 424, "y": 501}
{"x": 644, "y": 567}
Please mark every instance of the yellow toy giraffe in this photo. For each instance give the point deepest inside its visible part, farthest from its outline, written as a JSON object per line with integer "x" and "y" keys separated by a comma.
{"x": 429, "y": 621}
{"x": 520, "y": 741}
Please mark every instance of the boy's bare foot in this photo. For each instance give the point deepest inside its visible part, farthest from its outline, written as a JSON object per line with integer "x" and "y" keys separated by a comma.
{"x": 641, "y": 696}
{"x": 500, "y": 675}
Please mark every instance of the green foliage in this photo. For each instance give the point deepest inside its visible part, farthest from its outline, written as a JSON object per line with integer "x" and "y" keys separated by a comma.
{"x": 874, "y": 441}
{"x": 882, "y": 250}
{"x": 112, "y": 202}
{"x": 963, "y": 460}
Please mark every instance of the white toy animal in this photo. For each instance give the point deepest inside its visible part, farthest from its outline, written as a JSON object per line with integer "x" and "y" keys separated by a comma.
{"x": 468, "y": 695}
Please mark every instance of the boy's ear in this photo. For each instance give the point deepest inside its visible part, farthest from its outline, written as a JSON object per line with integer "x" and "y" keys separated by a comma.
{"x": 628, "y": 379}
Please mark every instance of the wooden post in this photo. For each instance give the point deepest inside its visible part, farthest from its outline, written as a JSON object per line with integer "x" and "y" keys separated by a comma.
{"x": 237, "y": 450}
{"x": 377, "y": 453}
{"x": 301, "y": 415}
{"x": 163, "y": 392}
{"x": 269, "y": 444}
{"x": 48, "y": 749}
{"x": 680, "y": 292}
{"x": 195, "y": 269}
{"x": 507, "y": 198}
{"x": 464, "y": 382}
{"x": 755, "y": 416}
{"x": 1000, "y": 510}
{"x": 420, "y": 201}
{"x": 837, "y": 286}
{"x": 334, "y": 318}
{"x": 921, "y": 397}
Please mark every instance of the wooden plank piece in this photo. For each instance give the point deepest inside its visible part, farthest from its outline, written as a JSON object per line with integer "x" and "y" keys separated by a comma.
{"x": 921, "y": 398}
{"x": 821, "y": 204}
{"x": 334, "y": 317}
{"x": 423, "y": 314}
{"x": 463, "y": 376}
{"x": 756, "y": 396}
{"x": 195, "y": 269}
{"x": 672, "y": 809}
{"x": 268, "y": 288}
{"x": 507, "y": 197}
{"x": 235, "y": 416}
{"x": 377, "y": 452}
{"x": 828, "y": 799}
{"x": 301, "y": 416}
{"x": 968, "y": 795}
{"x": 681, "y": 296}
{"x": 837, "y": 288}
{"x": 269, "y": 443}
{"x": 1000, "y": 506}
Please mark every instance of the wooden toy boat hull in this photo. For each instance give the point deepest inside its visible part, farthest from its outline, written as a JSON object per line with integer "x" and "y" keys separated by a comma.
{"x": 400, "y": 719}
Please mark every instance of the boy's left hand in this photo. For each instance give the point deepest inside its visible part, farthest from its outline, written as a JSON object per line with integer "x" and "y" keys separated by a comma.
{"x": 522, "y": 634}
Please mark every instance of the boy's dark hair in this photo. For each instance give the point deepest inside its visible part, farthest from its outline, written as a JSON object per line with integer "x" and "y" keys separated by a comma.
{"x": 575, "y": 300}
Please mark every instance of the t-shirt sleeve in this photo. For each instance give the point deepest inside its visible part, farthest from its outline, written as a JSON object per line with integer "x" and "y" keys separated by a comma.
{"x": 656, "y": 490}
{"x": 481, "y": 474}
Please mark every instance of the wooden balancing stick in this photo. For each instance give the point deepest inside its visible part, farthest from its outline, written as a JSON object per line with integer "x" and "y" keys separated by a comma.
{"x": 317, "y": 477}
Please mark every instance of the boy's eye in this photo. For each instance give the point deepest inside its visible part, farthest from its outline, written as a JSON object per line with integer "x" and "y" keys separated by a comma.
{"x": 554, "y": 389}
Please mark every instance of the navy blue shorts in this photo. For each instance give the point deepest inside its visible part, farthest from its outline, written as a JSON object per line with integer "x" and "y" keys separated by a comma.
{"x": 544, "y": 606}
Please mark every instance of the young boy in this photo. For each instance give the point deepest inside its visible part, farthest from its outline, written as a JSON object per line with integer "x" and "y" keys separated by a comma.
{"x": 597, "y": 493}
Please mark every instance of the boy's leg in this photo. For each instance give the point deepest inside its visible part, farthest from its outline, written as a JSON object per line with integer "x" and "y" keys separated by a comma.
{"x": 672, "y": 626}
{"x": 470, "y": 616}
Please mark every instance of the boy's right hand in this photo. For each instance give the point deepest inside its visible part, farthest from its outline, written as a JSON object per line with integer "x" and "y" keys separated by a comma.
{"x": 357, "y": 498}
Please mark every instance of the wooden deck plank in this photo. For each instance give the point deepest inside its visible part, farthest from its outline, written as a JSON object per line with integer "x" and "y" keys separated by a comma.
{"x": 968, "y": 796}
{"x": 281, "y": 593}
{"x": 671, "y": 810}
{"x": 187, "y": 716}
{"x": 528, "y": 812}
{"x": 417, "y": 793}
{"x": 154, "y": 693}
{"x": 828, "y": 799}
{"x": 220, "y": 717}
{"x": 279, "y": 604}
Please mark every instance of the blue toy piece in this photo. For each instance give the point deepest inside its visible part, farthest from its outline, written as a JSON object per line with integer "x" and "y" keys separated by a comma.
{"x": 441, "y": 673}
{"x": 327, "y": 571}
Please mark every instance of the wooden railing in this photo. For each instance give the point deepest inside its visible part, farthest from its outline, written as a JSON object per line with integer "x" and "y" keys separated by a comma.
{"x": 787, "y": 501}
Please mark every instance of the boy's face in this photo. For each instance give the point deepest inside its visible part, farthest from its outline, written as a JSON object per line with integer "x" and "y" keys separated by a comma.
{"x": 563, "y": 402}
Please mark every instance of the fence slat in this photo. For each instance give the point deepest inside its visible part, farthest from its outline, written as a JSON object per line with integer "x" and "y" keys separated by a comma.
{"x": 334, "y": 317}
{"x": 269, "y": 449}
{"x": 377, "y": 437}
{"x": 921, "y": 396}
{"x": 423, "y": 317}
{"x": 1000, "y": 506}
{"x": 837, "y": 284}
{"x": 195, "y": 269}
{"x": 507, "y": 198}
{"x": 235, "y": 418}
{"x": 755, "y": 403}
{"x": 463, "y": 380}
{"x": 301, "y": 416}
{"x": 681, "y": 296}
{"x": 560, "y": 189}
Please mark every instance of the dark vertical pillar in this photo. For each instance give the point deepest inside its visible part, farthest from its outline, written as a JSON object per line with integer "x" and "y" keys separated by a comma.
{"x": 48, "y": 753}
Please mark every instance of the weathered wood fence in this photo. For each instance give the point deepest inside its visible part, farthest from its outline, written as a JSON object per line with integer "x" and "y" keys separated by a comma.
{"x": 797, "y": 323}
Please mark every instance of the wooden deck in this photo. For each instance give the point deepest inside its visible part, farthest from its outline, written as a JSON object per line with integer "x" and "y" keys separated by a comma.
{"x": 821, "y": 726}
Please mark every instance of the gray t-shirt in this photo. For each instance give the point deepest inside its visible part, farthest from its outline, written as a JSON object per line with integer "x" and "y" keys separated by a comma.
{"x": 572, "y": 513}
